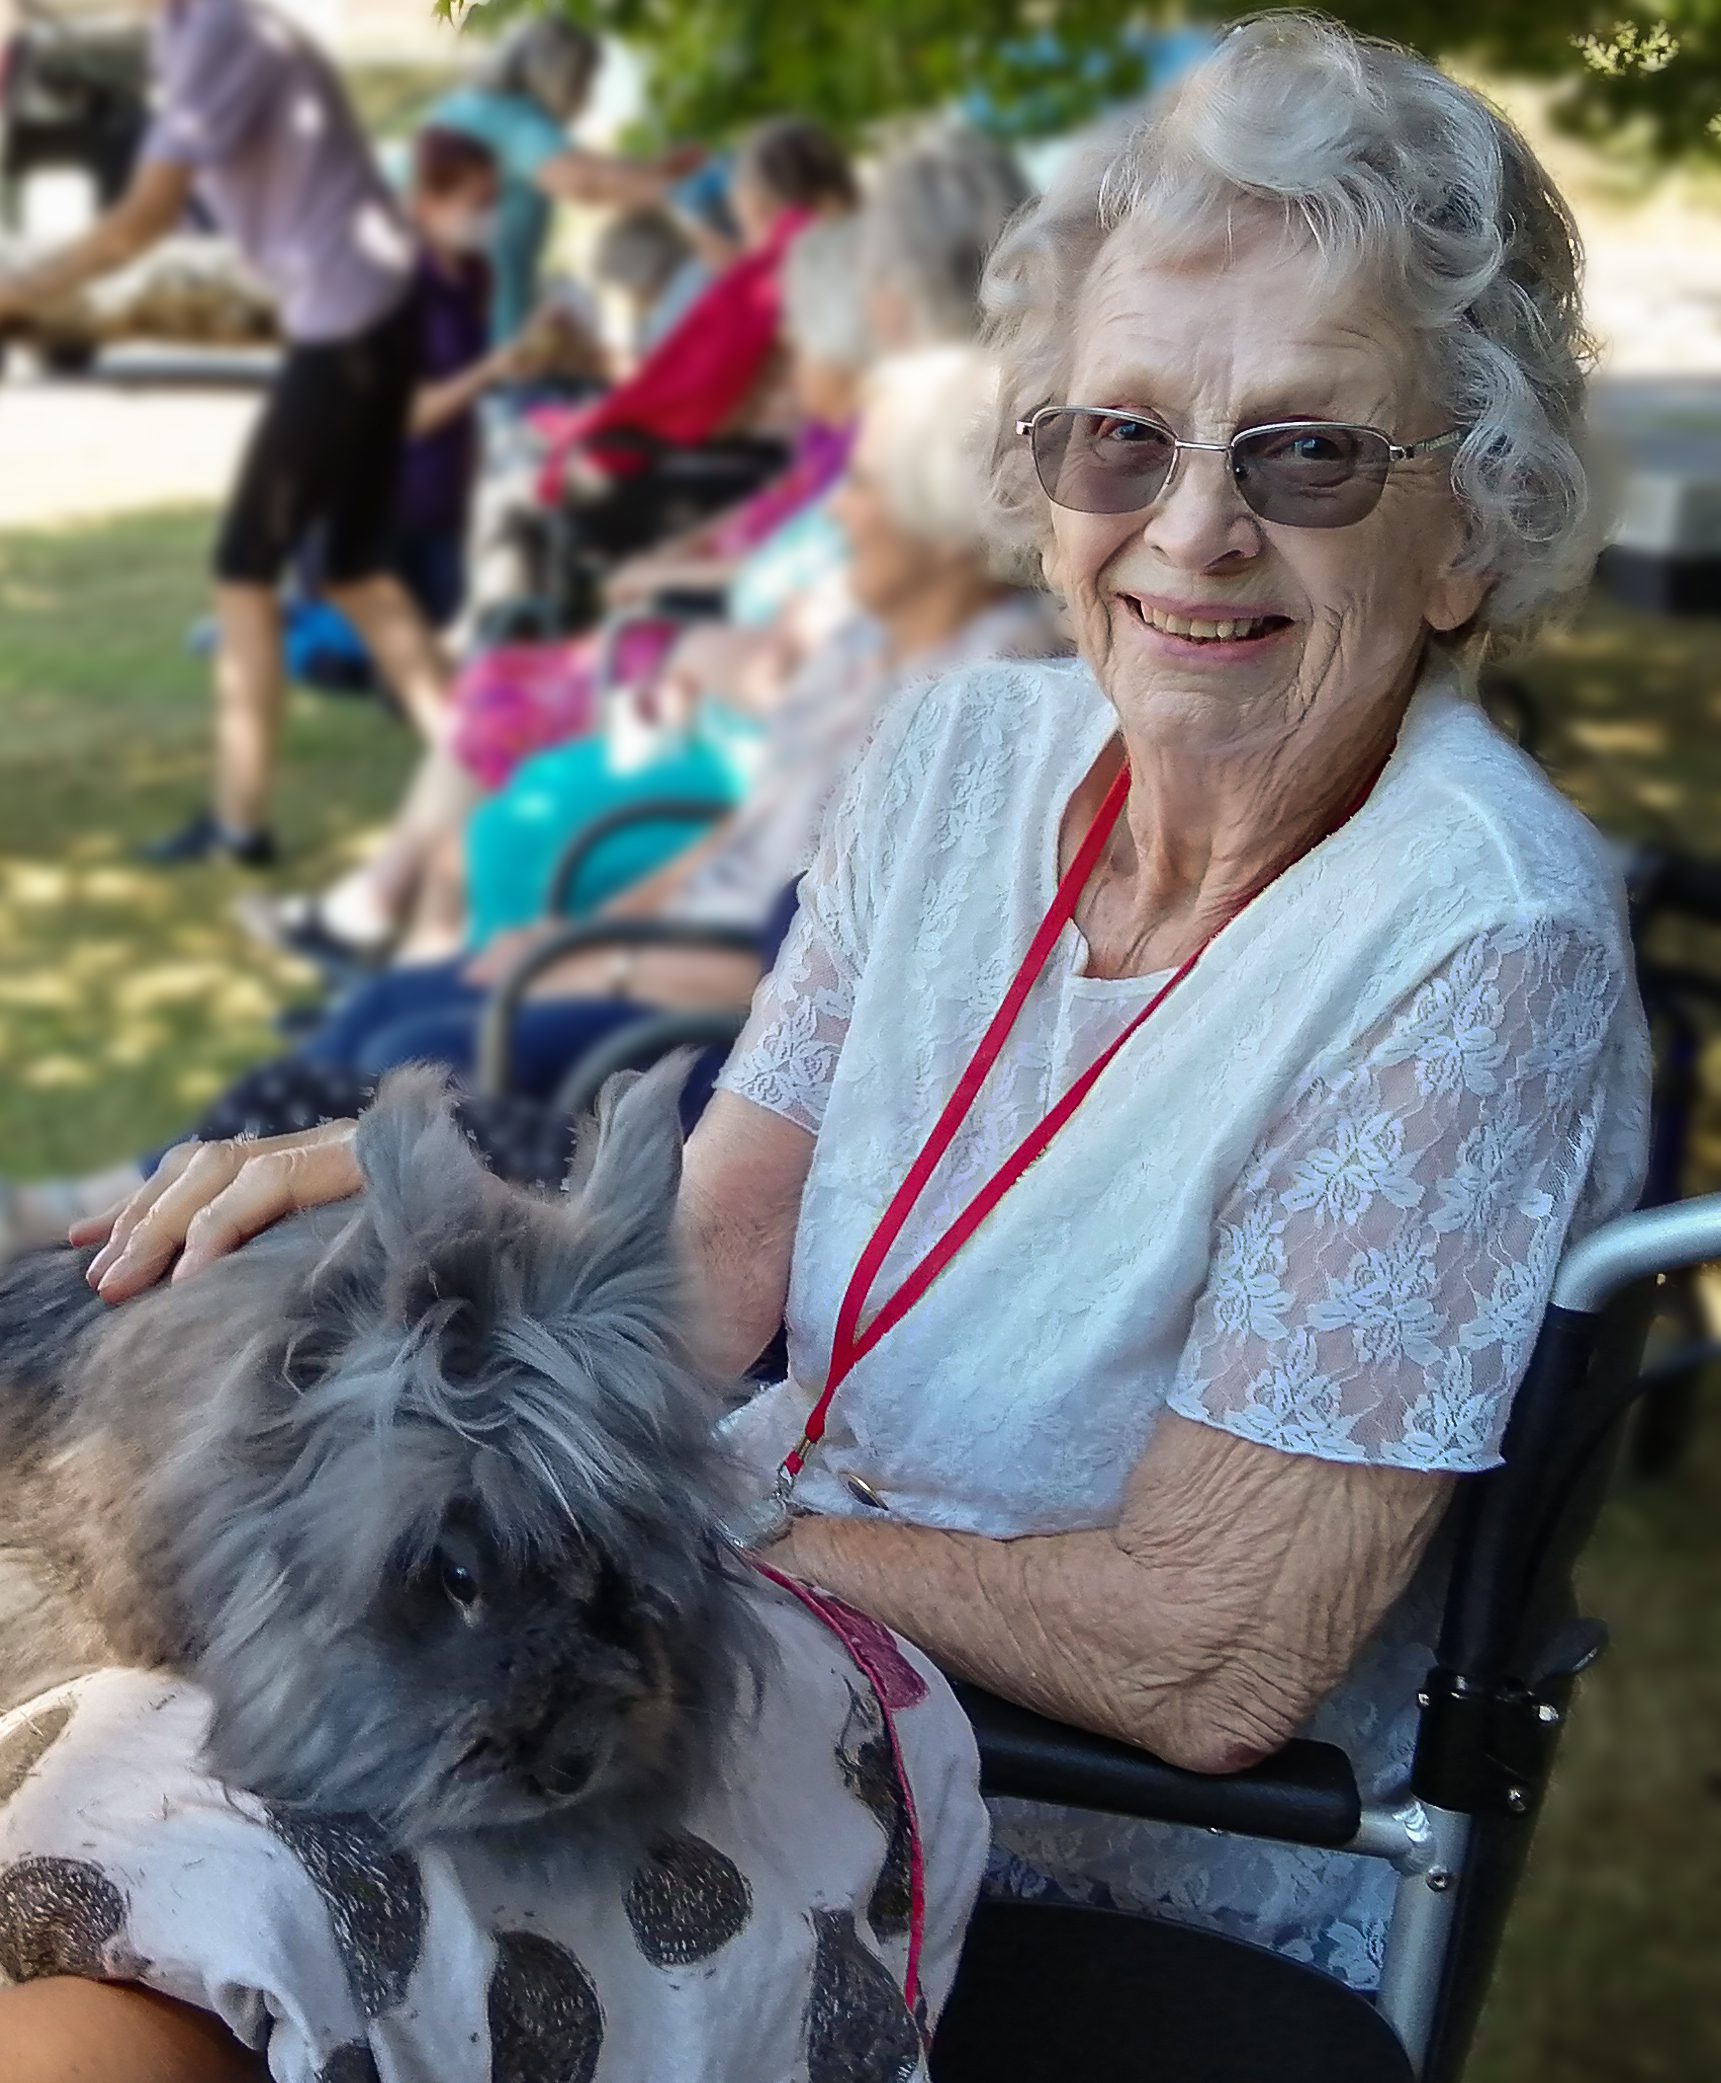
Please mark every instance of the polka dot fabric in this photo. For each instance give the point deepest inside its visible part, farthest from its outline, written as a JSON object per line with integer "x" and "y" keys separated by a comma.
{"x": 759, "y": 1938}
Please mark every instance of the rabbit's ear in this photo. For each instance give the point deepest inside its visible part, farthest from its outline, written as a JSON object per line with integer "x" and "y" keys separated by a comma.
{"x": 423, "y": 1177}
{"x": 628, "y": 1167}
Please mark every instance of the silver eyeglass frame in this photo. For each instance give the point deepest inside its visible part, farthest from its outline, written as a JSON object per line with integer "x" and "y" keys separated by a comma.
{"x": 1396, "y": 451}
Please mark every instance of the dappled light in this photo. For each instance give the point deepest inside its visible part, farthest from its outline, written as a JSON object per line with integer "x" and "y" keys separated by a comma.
{"x": 128, "y": 999}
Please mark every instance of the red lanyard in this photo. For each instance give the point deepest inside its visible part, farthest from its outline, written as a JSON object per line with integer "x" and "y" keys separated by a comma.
{"x": 850, "y": 1344}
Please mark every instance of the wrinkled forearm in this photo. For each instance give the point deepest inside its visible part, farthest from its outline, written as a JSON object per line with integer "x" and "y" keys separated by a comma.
{"x": 1036, "y": 1620}
{"x": 740, "y": 1196}
{"x": 1237, "y": 1589}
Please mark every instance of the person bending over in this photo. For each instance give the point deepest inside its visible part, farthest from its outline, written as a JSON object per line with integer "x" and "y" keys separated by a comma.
{"x": 252, "y": 119}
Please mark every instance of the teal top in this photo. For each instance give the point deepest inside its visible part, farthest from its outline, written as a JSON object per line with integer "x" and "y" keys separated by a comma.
{"x": 522, "y": 136}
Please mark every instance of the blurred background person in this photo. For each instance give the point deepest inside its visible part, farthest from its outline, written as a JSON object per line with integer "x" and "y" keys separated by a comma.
{"x": 645, "y": 257}
{"x": 450, "y": 199}
{"x": 934, "y": 213}
{"x": 521, "y": 106}
{"x": 711, "y": 373}
{"x": 254, "y": 120}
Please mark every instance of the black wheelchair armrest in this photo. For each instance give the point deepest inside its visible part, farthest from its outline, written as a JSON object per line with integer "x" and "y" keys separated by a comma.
{"x": 1304, "y": 1794}
{"x": 654, "y": 810}
{"x": 496, "y": 1028}
{"x": 688, "y": 604}
{"x": 639, "y": 1045}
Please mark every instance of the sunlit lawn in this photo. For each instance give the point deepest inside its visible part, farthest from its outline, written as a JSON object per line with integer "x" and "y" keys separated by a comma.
{"x": 127, "y": 998}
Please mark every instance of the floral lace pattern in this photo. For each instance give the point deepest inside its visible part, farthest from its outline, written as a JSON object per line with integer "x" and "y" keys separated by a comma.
{"x": 1381, "y": 1266}
{"x": 1317, "y": 1201}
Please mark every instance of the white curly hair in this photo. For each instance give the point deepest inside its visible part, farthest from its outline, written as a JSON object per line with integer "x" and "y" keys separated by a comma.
{"x": 1388, "y": 169}
{"x": 923, "y": 432}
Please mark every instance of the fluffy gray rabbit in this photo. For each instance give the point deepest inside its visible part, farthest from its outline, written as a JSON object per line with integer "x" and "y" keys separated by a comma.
{"x": 421, "y": 1489}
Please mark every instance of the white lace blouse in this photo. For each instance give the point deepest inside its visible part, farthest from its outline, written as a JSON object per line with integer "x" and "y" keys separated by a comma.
{"x": 1317, "y": 1201}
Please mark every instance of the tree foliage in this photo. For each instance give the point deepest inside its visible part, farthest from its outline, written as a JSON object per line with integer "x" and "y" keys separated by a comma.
{"x": 1043, "y": 65}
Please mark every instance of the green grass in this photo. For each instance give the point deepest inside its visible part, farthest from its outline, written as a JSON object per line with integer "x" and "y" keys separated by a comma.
{"x": 127, "y": 998}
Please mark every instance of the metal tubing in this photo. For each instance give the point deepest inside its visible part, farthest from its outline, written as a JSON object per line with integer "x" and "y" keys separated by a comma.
{"x": 1420, "y": 1934}
{"x": 642, "y": 1043}
{"x": 1400, "y": 1835}
{"x": 1654, "y": 1240}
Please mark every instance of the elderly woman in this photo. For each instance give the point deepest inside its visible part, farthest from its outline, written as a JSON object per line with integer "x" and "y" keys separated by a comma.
{"x": 1189, "y": 1064}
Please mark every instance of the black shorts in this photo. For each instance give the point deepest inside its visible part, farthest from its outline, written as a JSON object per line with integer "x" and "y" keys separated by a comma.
{"x": 326, "y": 454}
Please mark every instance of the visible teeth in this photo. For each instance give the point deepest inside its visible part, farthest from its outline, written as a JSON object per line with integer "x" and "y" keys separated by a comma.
{"x": 1202, "y": 632}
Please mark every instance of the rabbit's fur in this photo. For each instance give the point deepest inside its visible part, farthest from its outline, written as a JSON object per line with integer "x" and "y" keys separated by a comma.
{"x": 421, "y": 1489}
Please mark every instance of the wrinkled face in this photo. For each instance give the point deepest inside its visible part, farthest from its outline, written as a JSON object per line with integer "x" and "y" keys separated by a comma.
{"x": 1333, "y": 618}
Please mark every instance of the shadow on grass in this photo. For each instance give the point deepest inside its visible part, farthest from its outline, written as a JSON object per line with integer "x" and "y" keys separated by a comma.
{"x": 127, "y": 996}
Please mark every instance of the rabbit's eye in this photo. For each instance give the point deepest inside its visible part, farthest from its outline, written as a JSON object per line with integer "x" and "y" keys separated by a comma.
{"x": 459, "y": 1582}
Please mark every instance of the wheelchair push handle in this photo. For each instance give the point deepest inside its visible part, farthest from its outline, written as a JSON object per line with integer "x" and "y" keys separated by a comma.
{"x": 693, "y": 811}
{"x": 496, "y": 1024}
{"x": 1662, "y": 881}
{"x": 1633, "y": 1247}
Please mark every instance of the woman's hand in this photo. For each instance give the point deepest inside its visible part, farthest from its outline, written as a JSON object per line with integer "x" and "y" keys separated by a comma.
{"x": 206, "y": 1199}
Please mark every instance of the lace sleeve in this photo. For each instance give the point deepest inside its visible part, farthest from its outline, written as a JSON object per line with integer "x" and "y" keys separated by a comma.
{"x": 1381, "y": 1267}
{"x": 788, "y": 1051}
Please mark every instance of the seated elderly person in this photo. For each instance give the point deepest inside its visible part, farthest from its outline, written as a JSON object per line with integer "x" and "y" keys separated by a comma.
{"x": 930, "y": 593}
{"x": 931, "y": 598}
{"x": 1189, "y": 1063}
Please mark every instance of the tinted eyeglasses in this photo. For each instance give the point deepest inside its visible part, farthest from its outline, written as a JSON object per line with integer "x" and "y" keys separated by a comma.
{"x": 1092, "y": 459}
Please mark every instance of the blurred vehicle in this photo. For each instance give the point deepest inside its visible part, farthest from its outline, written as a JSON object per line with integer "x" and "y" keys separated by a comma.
{"x": 74, "y": 80}
{"x": 74, "y": 97}
{"x": 191, "y": 290}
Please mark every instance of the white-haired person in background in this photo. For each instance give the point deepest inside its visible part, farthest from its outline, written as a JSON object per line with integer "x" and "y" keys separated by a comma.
{"x": 1272, "y": 1013}
{"x": 933, "y": 214}
{"x": 931, "y": 594}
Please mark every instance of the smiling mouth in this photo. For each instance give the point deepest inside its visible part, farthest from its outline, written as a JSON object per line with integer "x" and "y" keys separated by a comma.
{"x": 1235, "y": 629}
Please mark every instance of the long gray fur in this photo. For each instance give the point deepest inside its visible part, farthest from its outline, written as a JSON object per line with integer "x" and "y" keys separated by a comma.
{"x": 263, "y": 1477}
